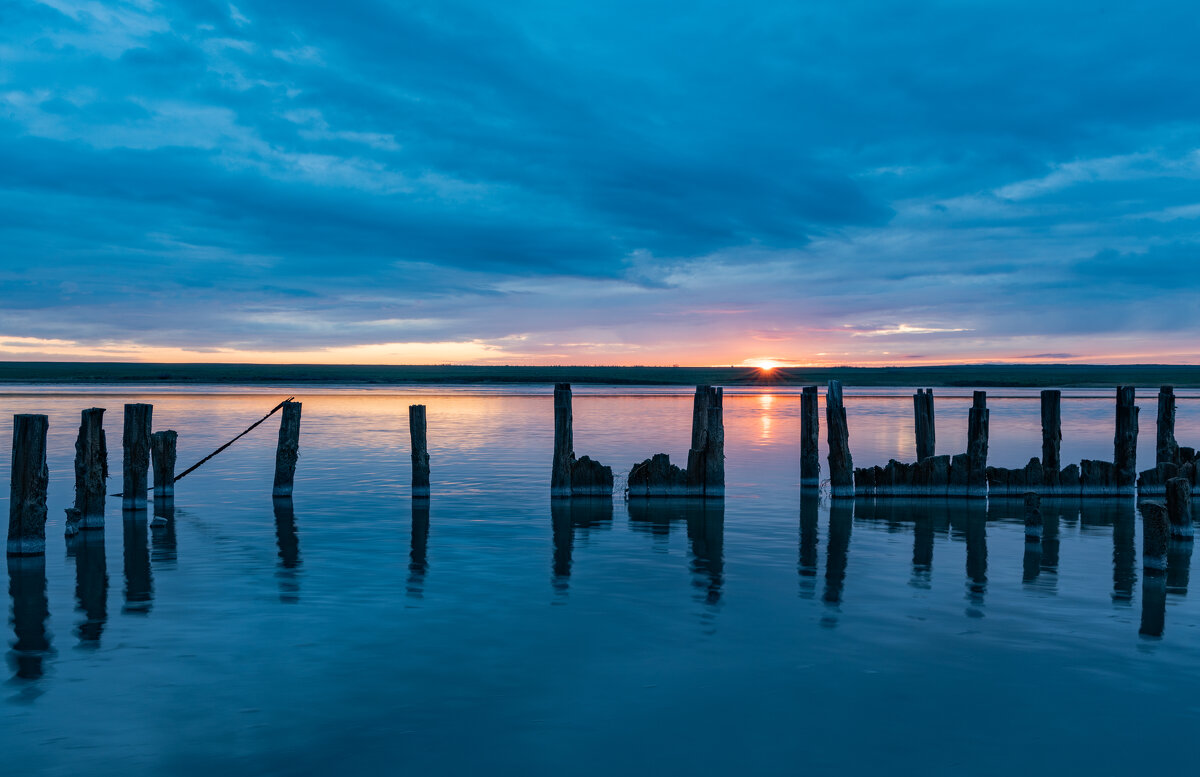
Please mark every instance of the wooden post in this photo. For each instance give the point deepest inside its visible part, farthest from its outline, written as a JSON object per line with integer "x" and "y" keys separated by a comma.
{"x": 420, "y": 451}
{"x": 162, "y": 449}
{"x": 136, "y": 463}
{"x": 91, "y": 471}
{"x": 1166, "y": 450}
{"x": 1179, "y": 507}
{"x": 27, "y": 489}
{"x": 923, "y": 412}
{"x": 810, "y": 440}
{"x": 1156, "y": 535}
{"x": 288, "y": 449}
{"x": 841, "y": 464}
{"x": 1125, "y": 440}
{"x": 714, "y": 452}
{"x": 1033, "y": 517}
{"x": 977, "y": 445}
{"x": 564, "y": 441}
{"x": 696, "y": 466}
{"x": 1051, "y": 434}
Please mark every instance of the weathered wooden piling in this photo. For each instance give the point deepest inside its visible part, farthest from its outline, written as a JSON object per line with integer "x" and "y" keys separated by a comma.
{"x": 841, "y": 464}
{"x": 1051, "y": 435}
{"x": 1156, "y": 535}
{"x": 810, "y": 440}
{"x": 706, "y": 458}
{"x": 1166, "y": 450}
{"x": 977, "y": 445}
{"x": 91, "y": 473}
{"x": 287, "y": 451}
{"x": 136, "y": 462}
{"x": 27, "y": 488}
{"x": 162, "y": 455}
{"x": 1125, "y": 441}
{"x": 420, "y": 451}
{"x": 1179, "y": 507}
{"x": 923, "y": 414}
{"x": 1033, "y": 517}
{"x": 564, "y": 444}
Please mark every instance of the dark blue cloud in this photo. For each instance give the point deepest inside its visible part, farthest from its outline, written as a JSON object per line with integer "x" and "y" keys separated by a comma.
{"x": 487, "y": 169}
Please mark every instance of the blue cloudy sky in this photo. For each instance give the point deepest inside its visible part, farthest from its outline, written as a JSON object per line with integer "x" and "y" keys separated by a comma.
{"x": 616, "y": 182}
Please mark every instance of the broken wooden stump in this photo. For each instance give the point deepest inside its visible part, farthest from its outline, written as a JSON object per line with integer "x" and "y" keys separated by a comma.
{"x": 135, "y": 467}
{"x": 91, "y": 473}
{"x": 1156, "y": 535}
{"x": 657, "y": 477}
{"x": 1166, "y": 450}
{"x": 1153, "y": 482}
{"x": 287, "y": 451}
{"x": 570, "y": 476}
{"x": 1125, "y": 441}
{"x": 923, "y": 416}
{"x": 420, "y": 451}
{"x": 1179, "y": 508}
{"x": 27, "y": 487}
{"x": 706, "y": 458}
{"x": 1033, "y": 517}
{"x": 162, "y": 455}
{"x": 841, "y": 464}
{"x": 810, "y": 440}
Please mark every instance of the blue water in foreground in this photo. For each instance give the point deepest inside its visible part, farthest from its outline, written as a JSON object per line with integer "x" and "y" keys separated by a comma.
{"x": 355, "y": 632}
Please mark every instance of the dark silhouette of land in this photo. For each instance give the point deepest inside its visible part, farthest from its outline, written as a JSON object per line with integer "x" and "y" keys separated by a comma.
{"x": 965, "y": 376}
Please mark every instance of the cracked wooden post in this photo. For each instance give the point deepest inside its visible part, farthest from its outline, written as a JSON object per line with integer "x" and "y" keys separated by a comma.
{"x": 288, "y": 449}
{"x": 162, "y": 450}
{"x": 1179, "y": 507}
{"x": 810, "y": 439}
{"x": 420, "y": 451}
{"x": 1166, "y": 450}
{"x": 1125, "y": 441}
{"x": 977, "y": 445}
{"x": 91, "y": 473}
{"x": 923, "y": 412}
{"x": 135, "y": 468}
{"x": 1033, "y": 517}
{"x": 695, "y": 462}
{"x": 564, "y": 441}
{"x": 1051, "y": 433}
{"x": 714, "y": 452}
{"x": 1156, "y": 536}
{"x": 841, "y": 465}
{"x": 27, "y": 488}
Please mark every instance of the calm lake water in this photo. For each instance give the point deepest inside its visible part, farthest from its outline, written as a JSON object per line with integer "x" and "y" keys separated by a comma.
{"x": 353, "y": 632}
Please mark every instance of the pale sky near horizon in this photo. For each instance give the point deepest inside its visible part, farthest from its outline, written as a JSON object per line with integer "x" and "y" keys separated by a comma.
{"x": 620, "y": 183}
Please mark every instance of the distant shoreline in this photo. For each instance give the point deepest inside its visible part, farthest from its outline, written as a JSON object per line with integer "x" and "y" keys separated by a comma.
{"x": 956, "y": 376}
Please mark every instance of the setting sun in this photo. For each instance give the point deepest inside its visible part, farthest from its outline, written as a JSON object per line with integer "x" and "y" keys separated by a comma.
{"x": 766, "y": 365}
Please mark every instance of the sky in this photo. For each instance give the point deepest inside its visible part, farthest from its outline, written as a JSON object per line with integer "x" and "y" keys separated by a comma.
{"x": 561, "y": 182}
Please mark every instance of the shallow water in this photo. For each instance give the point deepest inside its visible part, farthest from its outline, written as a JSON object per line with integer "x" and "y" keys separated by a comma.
{"x": 355, "y": 632}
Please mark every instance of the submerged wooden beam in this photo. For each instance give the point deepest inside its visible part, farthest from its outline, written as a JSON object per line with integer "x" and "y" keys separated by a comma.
{"x": 810, "y": 439}
{"x": 923, "y": 416}
{"x": 287, "y": 451}
{"x": 91, "y": 472}
{"x": 27, "y": 488}
{"x": 420, "y": 451}
{"x": 135, "y": 467}
{"x": 841, "y": 464}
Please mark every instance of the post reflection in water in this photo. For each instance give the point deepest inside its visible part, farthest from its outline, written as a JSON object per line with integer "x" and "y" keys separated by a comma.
{"x": 1154, "y": 604}
{"x": 706, "y": 530}
{"x": 287, "y": 572}
{"x": 1120, "y": 515}
{"x": 841, "y": 517}
{"x": 1179, "y": 563}
{"x": 810, "y": 501}
{"x": 139, "y": 584}
{"x": 570, "y": 518}
{"x": 970, "y": 520}
{"x": 91, "y": 584}
{"x": 162, "y": 532}
{"x": 418, "y": 563}
{"x": 925, "y": 516}
{"x": 30, "y": 610}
